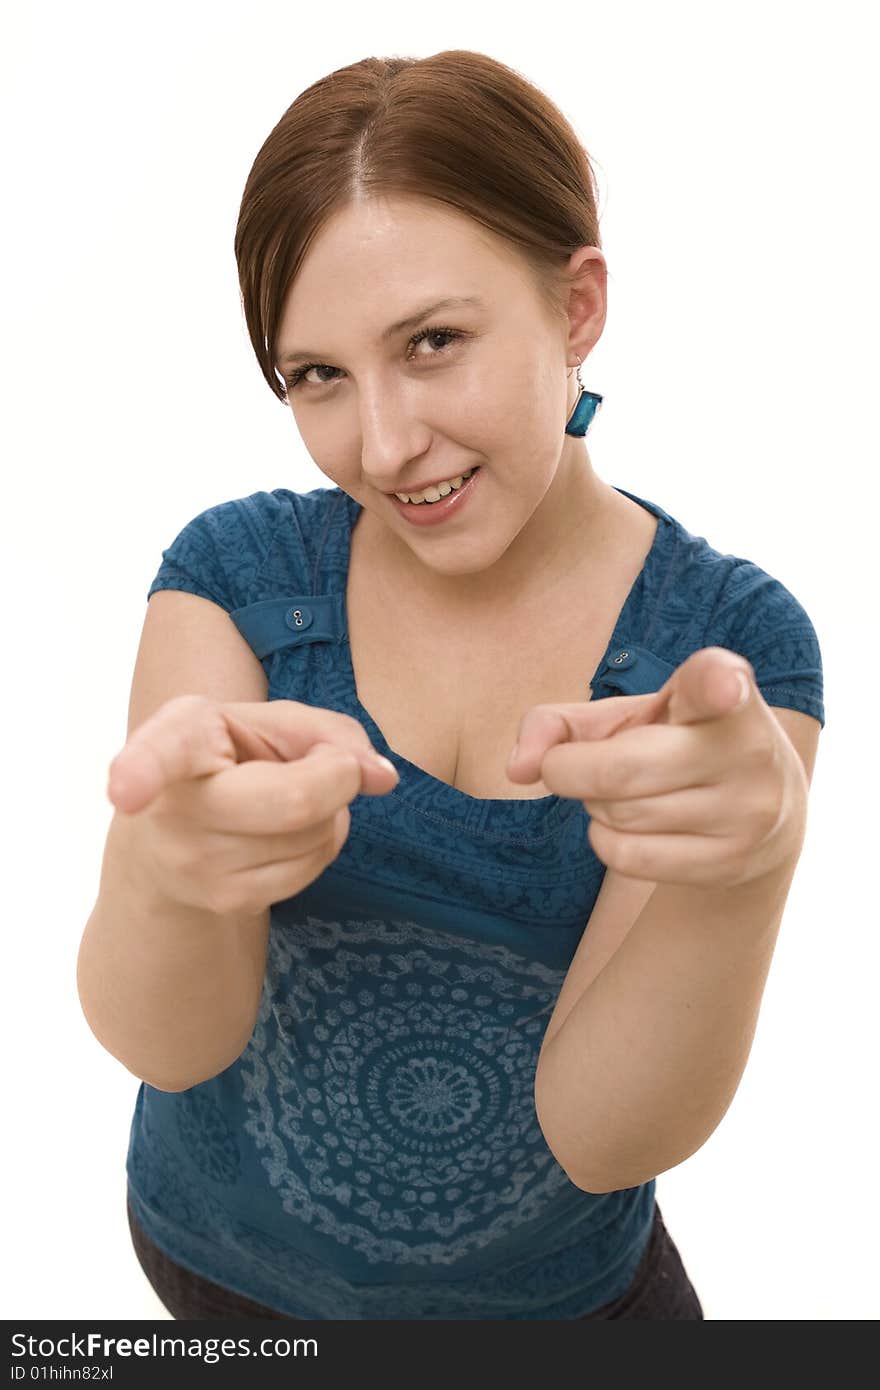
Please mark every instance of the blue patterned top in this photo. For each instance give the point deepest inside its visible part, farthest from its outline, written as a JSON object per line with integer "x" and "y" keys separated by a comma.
{"x": 374, "y": 1152}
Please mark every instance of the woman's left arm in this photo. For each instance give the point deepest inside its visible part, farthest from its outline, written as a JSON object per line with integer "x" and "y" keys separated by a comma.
{"x": 710, "y": 800}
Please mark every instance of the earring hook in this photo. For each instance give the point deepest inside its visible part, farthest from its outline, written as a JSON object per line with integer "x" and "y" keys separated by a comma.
{"x": 585, "y": 407}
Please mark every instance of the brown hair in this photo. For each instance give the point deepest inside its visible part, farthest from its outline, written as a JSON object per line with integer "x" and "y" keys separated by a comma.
{"x": 457, "y": 127}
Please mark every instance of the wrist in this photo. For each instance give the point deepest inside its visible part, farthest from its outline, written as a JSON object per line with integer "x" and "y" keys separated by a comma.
{"x": 128, "y": 876}
{"x": 781, "y": 848}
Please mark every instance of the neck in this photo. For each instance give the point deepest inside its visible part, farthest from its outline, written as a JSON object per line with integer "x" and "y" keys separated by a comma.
{"x": 567, "y": 533}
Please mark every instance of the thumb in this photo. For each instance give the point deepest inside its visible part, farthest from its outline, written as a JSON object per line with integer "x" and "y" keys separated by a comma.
{"x": 283, "y": 730}
{"x": 711, "y": 683}
{"x": 189, "y": 737}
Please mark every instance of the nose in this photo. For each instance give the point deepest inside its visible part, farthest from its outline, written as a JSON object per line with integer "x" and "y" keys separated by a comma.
{"x": 391, "y": 437}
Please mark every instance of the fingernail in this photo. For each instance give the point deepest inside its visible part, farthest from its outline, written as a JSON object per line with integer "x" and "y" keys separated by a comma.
{"x": 745, "y": 688}
{"x": 379, "y": 761}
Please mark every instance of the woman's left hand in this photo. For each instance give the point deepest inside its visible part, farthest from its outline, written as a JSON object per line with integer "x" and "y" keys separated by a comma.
{"x": 682, "y": 785}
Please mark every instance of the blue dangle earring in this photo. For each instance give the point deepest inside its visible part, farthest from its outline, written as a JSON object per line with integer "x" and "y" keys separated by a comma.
{"x": 585, "y": 408}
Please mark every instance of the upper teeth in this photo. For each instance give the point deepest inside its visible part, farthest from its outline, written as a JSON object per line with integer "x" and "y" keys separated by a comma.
{"x": 434, "y": 493}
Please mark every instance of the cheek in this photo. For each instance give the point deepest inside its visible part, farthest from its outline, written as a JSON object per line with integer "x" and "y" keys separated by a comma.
{"x": 328, "y": 447}
{"x": 499, "y": 406}
{"x": 539, "y": 399}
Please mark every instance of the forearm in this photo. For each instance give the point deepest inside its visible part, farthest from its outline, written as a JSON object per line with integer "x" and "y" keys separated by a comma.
{"x": 647, "y": 1061}
{"x": 170, "y": 991}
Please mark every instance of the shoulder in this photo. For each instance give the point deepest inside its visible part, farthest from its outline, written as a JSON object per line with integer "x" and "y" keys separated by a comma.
{"x": 759, "y": 617}
{"x": 260, "y": 514}
{"x": 221, "y": 551}
{"x": 704, "y": 597}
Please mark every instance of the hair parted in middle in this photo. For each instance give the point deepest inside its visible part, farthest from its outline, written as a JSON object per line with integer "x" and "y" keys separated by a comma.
{"x": 457, "y": 128}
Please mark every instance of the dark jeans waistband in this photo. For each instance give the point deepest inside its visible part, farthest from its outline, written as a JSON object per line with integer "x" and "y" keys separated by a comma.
{"x": 660, "y": 1288}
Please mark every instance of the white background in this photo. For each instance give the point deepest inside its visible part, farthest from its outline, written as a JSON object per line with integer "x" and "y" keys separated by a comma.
{"x": 737, "y": 168}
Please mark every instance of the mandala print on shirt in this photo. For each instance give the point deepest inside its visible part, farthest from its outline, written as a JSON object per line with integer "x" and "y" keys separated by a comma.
{"x": 390, "y": 1086}
{"x": 207, "y": 1138}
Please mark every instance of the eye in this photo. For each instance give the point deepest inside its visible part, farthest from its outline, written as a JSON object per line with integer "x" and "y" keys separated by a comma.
{"x": 454, "y": 334}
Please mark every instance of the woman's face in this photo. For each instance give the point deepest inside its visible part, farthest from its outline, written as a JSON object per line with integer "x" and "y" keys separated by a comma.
{"x": 381, "y": 413}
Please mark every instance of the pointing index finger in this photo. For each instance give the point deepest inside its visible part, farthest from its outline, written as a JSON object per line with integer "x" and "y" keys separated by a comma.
{"x": 581, "y": 721}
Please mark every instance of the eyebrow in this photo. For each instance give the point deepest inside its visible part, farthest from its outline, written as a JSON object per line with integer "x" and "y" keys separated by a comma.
{"x": 394, "y": 328}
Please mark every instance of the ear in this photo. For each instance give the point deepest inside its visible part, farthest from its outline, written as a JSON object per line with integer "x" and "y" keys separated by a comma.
{"x": 587, "y": 299}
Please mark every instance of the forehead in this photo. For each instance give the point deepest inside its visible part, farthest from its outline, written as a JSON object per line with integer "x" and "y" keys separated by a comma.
{"x": 377, "y": 258}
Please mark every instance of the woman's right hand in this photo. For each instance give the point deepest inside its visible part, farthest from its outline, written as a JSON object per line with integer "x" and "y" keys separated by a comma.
{"x": 232, "y": 807}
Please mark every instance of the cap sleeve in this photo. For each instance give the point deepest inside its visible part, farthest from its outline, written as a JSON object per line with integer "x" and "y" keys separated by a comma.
{"x": 218, "y": 553}
{"x": 760, "y": 619}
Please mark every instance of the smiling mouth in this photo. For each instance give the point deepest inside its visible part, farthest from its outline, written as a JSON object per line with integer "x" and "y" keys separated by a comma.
{"x": 450, "y": 483}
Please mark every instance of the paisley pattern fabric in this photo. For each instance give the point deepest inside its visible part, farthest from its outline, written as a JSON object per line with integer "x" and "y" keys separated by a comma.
{"x": 374, "y": 1152}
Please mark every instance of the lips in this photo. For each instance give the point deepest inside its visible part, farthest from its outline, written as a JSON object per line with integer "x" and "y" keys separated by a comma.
{"x": 423, "y": 487}
{"x": 432, "y": 513}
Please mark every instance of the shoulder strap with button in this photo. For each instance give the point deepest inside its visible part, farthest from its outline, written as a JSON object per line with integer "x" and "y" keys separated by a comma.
{"x": 628, "y": 669}
{"x": 290, "y": 621}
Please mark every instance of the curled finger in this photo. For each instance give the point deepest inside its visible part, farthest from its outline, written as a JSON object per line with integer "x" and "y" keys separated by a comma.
{"x": 693, "y": 810}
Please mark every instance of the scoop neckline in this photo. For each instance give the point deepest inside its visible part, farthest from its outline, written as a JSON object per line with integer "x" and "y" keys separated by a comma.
{"x": 414, "y": 782}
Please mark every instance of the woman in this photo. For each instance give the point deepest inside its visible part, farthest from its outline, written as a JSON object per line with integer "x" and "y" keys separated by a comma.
{"x": 416, "y": 1041}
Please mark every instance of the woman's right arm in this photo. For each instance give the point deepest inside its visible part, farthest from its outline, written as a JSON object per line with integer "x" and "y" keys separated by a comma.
{"x": 232, "y": 803}
{"x": 170, "y": 990}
